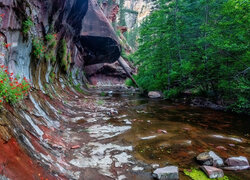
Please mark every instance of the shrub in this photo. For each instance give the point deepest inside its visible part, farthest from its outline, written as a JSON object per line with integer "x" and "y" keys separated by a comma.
{"x": 11, "y": 89}
{"x": 51, "y": 41}
{"x": 38, "y": 48}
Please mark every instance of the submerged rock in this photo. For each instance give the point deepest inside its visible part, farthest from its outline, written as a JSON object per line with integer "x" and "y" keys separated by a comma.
{"x": 213, "y": 172}
{"x": 154, "y": 94}
{"x": 210, "y": 159}
{"x": 237, "y": 163}
{"x": 166, "y": 173}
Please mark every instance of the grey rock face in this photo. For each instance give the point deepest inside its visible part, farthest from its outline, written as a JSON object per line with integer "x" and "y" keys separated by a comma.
{"x": 213, "y": 172}
{"x": 166, "y": 173}
{"x": 210, "y": 159}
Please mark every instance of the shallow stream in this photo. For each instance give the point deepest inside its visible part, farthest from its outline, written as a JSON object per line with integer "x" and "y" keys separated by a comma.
{"x": 140, "y": 132}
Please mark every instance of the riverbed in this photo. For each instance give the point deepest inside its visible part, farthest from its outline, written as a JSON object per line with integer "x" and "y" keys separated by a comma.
{"x": 118, "y": 134}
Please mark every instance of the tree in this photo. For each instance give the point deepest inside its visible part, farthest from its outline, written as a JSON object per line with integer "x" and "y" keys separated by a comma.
{"x": 199, "y": 45}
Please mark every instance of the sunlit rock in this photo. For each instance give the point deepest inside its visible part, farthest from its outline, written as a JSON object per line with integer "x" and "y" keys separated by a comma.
{"x": 210, "y": 159}
{"x": 154, "y": 94}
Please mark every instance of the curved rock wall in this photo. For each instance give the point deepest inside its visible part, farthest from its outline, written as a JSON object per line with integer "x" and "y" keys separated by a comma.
{"x": 35, "y": 125}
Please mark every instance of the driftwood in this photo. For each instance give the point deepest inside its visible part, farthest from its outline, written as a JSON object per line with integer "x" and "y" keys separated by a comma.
{"x": 126, "y": 68}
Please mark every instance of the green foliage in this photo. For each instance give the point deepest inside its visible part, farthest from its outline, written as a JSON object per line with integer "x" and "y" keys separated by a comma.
{"x": 26, "y": 26}
{"x": 38, "y": 48}
{"x": 100, "y": 102}
{"x": 122, "y": 13}
{"x": 51, "y": 43}
{"x": 129, "y": 83}
{"x": 12, "y": 90}
{"x": 103, "y": 94}
{"x": 201, "y": 45}
{"x": 125, "y": 56}
{"x": 196, "y": 174}
{"x": 78, "y": 88}
{"x": 62, "y": 55}
{"x": 49, "y": 38}
{"x": 51, "y": 77}
{"x": 131, "y": 36}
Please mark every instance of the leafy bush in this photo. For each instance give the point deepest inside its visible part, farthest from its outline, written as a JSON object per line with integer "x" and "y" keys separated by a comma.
{"x": 12, "y": 90}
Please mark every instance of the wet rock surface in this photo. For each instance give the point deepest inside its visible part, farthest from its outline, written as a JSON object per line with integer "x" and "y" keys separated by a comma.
{"x": 237, "y": 163}
{"x": 213, "y": 172}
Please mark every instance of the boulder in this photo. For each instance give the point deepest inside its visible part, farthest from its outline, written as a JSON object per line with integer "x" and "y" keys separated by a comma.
{"x": 166, "y": 173}
{"x": 210, "y": 159}
{"x": 212, "y": 172}
{"x": 237, "y": 163}
{"x": 154, "y": 94}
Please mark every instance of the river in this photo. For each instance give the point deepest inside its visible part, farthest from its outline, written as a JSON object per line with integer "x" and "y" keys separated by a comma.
{"x": 119, "y": 134}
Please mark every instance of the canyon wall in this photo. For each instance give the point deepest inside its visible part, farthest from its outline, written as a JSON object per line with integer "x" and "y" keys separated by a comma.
{"x": 126, "y": 16}
{"x": 50, "y": 43}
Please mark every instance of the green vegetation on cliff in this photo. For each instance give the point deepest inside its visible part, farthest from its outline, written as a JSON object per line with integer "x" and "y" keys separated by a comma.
{"x": 26, "y": 26}
{"x": 197, "y": 45}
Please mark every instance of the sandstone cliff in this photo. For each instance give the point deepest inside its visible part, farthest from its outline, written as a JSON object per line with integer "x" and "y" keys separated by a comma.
{"x": 51, "y": 43}
{"x": 127, "y": 15}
